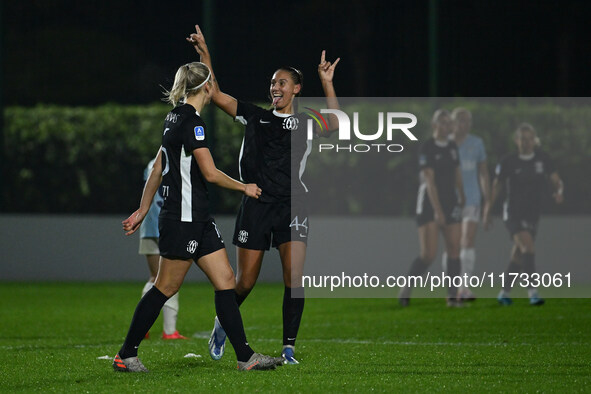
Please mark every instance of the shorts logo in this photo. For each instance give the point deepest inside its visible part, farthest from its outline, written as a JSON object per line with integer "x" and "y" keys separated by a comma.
{"x": 199, "y": 133}
{"x": 291, "y": 123}
{"x": 243, "y": 236}
{"x": 192, "y": 246}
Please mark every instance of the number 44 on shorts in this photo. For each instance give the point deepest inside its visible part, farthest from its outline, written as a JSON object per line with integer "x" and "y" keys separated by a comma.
{"x": 296, "y": 223}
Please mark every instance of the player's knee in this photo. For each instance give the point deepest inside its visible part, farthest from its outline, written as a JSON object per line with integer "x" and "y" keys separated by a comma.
{"x": 168, "y": 289}
{"x": 428, "y": 257}
{"x": 224, "y": 280}
{"x": 453, "y": 251}
{"x": 245, "y": 284}
{"x": 467, "y": 242}
{"x": 526, "y": 247}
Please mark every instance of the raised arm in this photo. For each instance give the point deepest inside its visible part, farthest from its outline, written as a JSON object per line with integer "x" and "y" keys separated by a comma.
{"x": 326, "y": 74}
{"x": 133, "y": 222}
{"x": 213, "y": 175}
{"x": 225, "y": 102}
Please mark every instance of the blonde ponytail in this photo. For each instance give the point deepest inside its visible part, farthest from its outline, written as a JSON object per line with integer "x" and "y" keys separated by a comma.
{"x": 188, "y": 81}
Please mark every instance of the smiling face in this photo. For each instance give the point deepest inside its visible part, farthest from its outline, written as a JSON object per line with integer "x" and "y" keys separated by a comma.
{"x": 283, "y": 89}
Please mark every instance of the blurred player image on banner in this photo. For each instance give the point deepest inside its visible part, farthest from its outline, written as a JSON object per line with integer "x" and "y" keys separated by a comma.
{"x": 273, "y": 155}
{"x": 476, "y": 183}
{"x": 439, "y": 205}
{"x": 187, "y": 231}
{"x": 524, "y": 175}
{"x": 149, "y": 247}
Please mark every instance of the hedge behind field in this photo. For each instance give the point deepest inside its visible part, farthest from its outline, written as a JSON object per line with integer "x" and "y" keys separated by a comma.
{"x": 91, "y": 160}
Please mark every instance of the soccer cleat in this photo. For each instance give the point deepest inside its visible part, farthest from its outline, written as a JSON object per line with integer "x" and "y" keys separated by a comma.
{"x": 174, "y": 335}
{"x": 404, "y": 297}
{"x": 217, "y": 341}
{"x": 131, "y": 364}
{"x": 467, "y": 295}
{"x": 453, "y": 302}
{"x": 536, "y": 301}
{"x": 288, "y": 355}
{"x": 504, "y": 300}
{"x": 147, "y": 336}
{"x": 259, "y": 362}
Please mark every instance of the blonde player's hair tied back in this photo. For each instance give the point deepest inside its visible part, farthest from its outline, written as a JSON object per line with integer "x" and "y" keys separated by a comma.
{"x": 188, "y": 81}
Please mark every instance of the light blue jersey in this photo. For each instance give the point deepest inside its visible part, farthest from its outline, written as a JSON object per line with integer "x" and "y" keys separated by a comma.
{"x": 472, "y": 153}
{"x": 149, "y": 227}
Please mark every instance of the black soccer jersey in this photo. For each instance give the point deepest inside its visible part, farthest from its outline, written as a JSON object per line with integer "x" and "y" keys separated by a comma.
{"x": 526, "y": 182}
{"x": 183, "y": 185}
{"x": 274, "y": 151}
{"x": 443, "y": 159}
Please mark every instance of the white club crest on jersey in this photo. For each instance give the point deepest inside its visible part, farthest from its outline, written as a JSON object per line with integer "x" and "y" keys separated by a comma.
{"x": 243, "y": 236}
{"x": 192, "y": 246}
{"x": 291, "y": 123}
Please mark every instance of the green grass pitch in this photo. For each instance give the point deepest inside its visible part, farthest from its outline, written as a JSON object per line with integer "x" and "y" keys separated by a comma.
{"x": 52, "y": 338}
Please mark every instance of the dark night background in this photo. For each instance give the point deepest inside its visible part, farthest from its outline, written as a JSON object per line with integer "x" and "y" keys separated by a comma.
{"x": 86, "y": 59}
{"x": 90, "y": 52}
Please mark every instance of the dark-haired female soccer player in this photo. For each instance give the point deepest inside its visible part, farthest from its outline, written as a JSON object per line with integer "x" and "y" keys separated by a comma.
{"x": 525, "y": 176}
{"x": 439, "y": 204}
{"x": 187, "y": 231}
{"x": 273, "y": 155}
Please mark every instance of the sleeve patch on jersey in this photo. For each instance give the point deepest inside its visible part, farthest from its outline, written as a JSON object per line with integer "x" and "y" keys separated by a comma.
{"x": 199, "y": 133}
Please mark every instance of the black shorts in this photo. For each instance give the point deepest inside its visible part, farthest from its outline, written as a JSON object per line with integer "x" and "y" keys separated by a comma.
{"x": 188, "y": 240}
{"x": 260, "y": 225}
{"x": 452, "y": 212}
{"x": 517, "y": 225}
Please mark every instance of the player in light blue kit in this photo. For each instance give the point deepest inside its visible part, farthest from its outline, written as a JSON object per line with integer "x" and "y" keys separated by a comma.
{"x": 476, "y": 189}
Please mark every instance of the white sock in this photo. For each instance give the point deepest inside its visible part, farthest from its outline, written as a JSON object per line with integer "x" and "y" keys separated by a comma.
{"x": 169, "y": 314}
{"x": 444, "y": 262}
{"x": 504, "y": 294}
{"x": 468, "y": 258}
{"x": 532, "y": 293}
{"x": 147, "y": 287}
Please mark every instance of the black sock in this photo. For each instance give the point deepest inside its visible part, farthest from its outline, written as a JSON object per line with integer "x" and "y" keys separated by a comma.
{"x": 292, "y": 313}
{"x": 453, "y": 270}
{"x": 529, "y": 264}
{"x": 513, "y": 268}
{"x": 145, "y": 315}
{"x": 240, "y": 298}
{"x": 417, "y": 268}
{"x": 231, "y": 320}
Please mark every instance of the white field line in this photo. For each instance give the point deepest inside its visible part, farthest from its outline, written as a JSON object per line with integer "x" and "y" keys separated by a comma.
{"x": 205, "y": 335}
